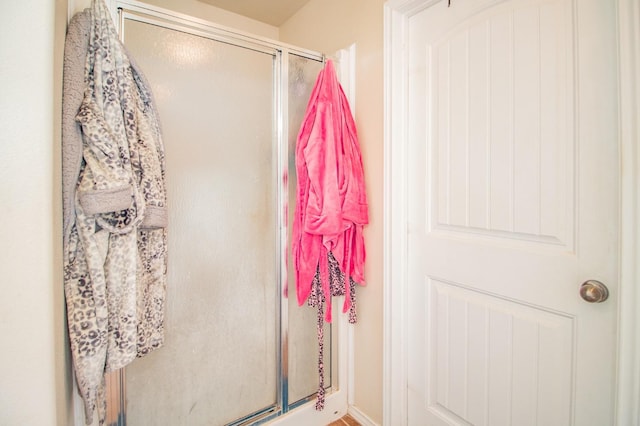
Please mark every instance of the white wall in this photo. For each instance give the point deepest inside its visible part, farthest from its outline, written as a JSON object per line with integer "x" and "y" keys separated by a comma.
{"x": 32, "y": 360}
{"x": 327, "y": 26}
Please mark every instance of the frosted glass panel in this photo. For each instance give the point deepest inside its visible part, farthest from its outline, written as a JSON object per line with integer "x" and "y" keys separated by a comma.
{"x": 303, "y": 341}
{"x": 216, "y": 105}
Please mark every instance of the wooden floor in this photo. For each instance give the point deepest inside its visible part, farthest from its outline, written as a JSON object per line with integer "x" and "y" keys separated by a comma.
{"x": 345, "y": 421}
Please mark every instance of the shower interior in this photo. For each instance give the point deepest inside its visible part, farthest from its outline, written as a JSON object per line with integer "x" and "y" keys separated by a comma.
{"x": 237, "y": 351}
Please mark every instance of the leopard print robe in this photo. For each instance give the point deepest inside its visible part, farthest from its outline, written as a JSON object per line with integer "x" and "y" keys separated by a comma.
{"x": 116, "y": 253}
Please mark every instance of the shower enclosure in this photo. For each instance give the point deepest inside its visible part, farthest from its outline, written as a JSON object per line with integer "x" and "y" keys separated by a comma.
{"x": 237, "y": 351}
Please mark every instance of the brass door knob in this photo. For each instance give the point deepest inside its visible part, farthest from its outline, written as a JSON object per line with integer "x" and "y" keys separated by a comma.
{"x": 594, "y": 291}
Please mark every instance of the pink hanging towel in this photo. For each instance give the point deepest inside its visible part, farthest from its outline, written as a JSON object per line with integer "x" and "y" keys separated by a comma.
{"x": 331, "y": 206}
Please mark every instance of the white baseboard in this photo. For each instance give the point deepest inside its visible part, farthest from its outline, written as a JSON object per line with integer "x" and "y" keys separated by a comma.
{"x": 334, "y": 408}
{"x": 360, "y": 417}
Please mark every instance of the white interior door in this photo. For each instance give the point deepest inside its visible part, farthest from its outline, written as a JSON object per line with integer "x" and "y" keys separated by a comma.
{"x": 513, "y": 184}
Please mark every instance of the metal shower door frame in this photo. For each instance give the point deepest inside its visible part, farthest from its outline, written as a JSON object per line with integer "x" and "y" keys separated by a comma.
{"x": 141, "y": 12}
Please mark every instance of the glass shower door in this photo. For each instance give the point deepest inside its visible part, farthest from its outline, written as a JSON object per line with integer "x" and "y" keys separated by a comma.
{"x": 236, "y": 352}
{"x": 303, "y": 340}
{"x": 216, "y": 103}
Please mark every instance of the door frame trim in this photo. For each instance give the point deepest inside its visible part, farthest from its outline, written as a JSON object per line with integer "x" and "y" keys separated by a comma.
{"x": 628, "y": 386}
{"x": 395, "y": 371}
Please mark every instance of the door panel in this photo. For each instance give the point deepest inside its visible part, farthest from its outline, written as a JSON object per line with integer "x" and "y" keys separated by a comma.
{"x": 501, "y": 145}
{"x": 219, "y": 360}
{"x": 496, "y": 361}
{"x": 513, "y": 183}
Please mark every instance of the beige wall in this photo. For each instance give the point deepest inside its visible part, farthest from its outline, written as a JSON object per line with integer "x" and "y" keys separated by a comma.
{"x": 219, "y": 16}
{"x": 327, "y": 26}
{"x": 33, "y": 366}
{"x": 203, "y": 11}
